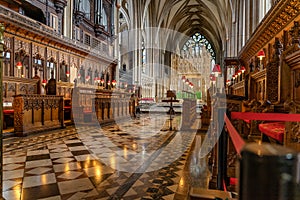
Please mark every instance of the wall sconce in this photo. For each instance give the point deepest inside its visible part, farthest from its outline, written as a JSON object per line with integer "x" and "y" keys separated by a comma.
{"x": 228, "y": 82}
{"x": 217, "y": 70}
{"x": 212, "y": 78}
{"x": 102, "y": 82}
{"x": 114, "y": 83}
{"x": 87, "y": 78}
{"x": 243, "y": 69}
{"x": 44, "y": 82}
{"x": 239, "y": 72}
{"x": 187, "y": 81}
{"x": 233, "y": 78}
{"x": 19, "y": 65}
{"x": 183, "y": 79}
{"x": 97, "y": 80}
{"x": 78, "y": 75}
{"x": 108, "y": 82}
{"x": 68, "y": 74}
{"x": 191, "y": 85}
{"x": 261, "y": 55}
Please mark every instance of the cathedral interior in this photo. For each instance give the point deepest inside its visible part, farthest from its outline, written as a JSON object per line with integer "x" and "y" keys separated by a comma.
{"x": 150, "y": 99}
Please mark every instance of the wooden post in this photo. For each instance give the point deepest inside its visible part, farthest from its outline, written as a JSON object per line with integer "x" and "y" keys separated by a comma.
{"x": 1, "y": 104}
{"x": 222, "y": 151}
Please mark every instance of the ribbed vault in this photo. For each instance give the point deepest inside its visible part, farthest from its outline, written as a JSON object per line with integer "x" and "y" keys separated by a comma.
{"x": 211, "y": 18}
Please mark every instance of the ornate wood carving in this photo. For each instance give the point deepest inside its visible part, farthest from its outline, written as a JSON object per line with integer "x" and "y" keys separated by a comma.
{"x": 294, "y": 42}
{"x": 7, "y": 42}
{"x": 22, "y": 45}
{"x": 51, "y": 54}
{"x": 26, "y": 106}
{"x": 38, "y": 50}
{"x": 18, "y": 114}
{"x": 282, "y": 14}
{"x": 273, "y": 73}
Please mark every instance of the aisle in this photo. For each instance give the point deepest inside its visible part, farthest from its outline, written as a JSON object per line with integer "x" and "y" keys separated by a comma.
{"x": 128, "y": 160}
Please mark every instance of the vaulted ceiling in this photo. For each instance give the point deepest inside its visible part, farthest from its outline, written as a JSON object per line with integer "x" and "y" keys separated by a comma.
{"x": 211, "y": 18}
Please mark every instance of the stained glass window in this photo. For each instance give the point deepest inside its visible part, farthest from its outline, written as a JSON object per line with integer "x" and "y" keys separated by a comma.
{"x": 194, "y": 44}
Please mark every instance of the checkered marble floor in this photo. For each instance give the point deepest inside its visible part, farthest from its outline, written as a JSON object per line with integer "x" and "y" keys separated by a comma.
{"x": 135, "y": 159}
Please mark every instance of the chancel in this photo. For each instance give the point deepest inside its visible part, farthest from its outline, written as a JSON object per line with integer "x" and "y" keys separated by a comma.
{"x": 127, "y": 99}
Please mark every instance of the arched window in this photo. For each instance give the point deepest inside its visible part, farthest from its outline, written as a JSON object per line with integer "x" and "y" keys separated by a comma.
{"x": 85, "y": 6}
{"x": 104, "y": 16}
{"x": 193, "y": 46}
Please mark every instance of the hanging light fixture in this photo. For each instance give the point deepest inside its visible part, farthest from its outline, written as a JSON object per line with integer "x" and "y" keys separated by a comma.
{"x": 68, "y": 74}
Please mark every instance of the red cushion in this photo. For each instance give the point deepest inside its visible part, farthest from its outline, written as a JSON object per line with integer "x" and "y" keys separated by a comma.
{"x": 233, "y": 181}
{"x": 248, "y": 121}
{"x": 274, "y": 130}
{"x": 7, "y": 112}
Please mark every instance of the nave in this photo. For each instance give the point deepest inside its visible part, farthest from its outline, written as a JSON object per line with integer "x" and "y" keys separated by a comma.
{"x": 111, "y": 162}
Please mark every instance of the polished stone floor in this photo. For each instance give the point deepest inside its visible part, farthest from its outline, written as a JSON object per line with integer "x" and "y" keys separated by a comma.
{"x": 141, "y": 158}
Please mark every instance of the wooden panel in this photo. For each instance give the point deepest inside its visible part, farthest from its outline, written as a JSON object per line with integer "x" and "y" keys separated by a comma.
{"x": 33, "y": 113}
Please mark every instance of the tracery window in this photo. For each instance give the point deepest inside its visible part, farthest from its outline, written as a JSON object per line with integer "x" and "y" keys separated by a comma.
{"x": 193, "y": 46}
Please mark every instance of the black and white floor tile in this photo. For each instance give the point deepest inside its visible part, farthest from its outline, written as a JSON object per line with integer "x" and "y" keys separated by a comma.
{"x": 138, "y": 159}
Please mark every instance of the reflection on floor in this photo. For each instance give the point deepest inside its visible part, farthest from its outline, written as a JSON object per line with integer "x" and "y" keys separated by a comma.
{"x": 136, "y": 159}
